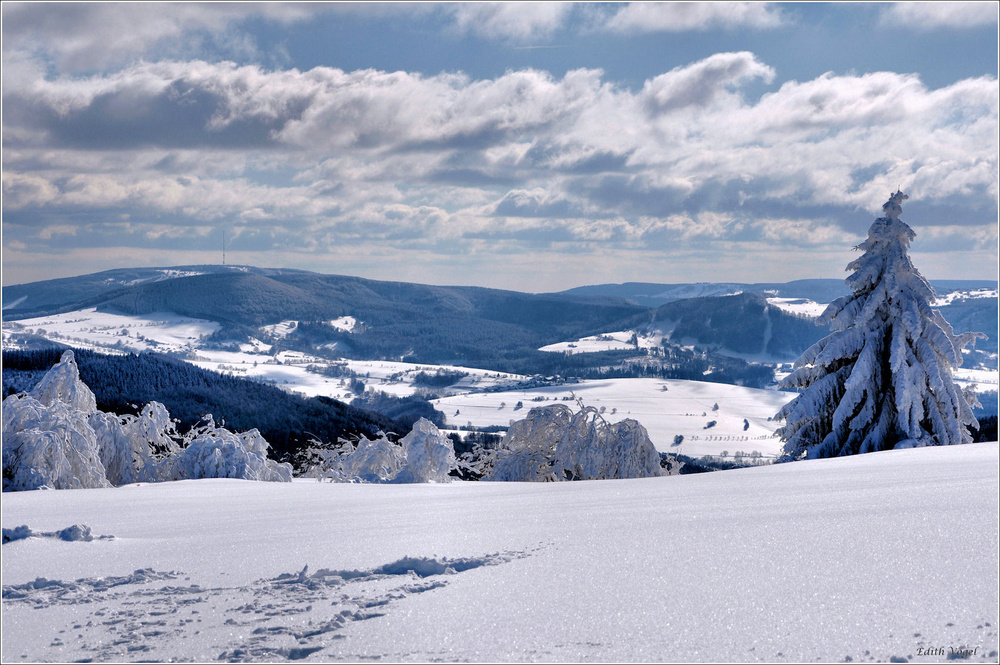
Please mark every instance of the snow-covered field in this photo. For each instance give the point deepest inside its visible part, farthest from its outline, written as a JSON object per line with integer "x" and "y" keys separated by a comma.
{"x": 875, "y": 558}
{"x": 949, "y": 298}
{"x": 977, "y": 380}
{"x": 666, "y": 408}
{"x": 800, "y": 306}
{"x": 90, "y": 329}
{"x": 613, "y": 341}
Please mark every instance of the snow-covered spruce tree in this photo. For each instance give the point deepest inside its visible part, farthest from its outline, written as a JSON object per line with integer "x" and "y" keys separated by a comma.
{"x": 882, "y": 379}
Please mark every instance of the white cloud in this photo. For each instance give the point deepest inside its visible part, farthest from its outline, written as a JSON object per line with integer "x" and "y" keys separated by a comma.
{"x": 683, "y": 16}
{"x": 87, "y": 36}
{"x": 931, "y": 15}
{"x": 517, "y": 21}
{"x": 700, "y": 83}
{"x": 311, "y": 160}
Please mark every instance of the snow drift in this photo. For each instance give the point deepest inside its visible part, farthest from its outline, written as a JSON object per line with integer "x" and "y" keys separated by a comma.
{"x": 553, "y": 443}
{"x": 55, "y": 437}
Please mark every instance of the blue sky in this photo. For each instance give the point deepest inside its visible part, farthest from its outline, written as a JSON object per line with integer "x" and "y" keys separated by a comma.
{"x": 534, "y": 146}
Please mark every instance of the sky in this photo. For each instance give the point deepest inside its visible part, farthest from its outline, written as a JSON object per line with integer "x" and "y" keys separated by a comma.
{"x": 528, "y": 146}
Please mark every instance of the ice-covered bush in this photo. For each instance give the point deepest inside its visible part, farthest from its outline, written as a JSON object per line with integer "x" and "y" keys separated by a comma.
{"x": 133, "y": 447}
{"x": 377, "y": 461}
{"x": 47, "y": 437}
{"x": 55, "y": 437}
{"x": 215, "y": 452}
{"x": 50, "y": 446}
{"x": 429, "y": 455}
{"x": 423, "y": 456}
{"x": 553, "y": 443}
{"x": 62, "y": 384}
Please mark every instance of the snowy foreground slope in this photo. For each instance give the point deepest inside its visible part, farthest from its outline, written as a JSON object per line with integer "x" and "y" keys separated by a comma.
{"x": 876, "y": 557}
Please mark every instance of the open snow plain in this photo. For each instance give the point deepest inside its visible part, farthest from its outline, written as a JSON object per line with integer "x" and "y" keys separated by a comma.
{"x": 665, "y": 407}
{"x": 880, "y": 557}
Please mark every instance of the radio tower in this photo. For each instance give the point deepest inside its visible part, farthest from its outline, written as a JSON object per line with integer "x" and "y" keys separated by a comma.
{"x": 223, "y": 247}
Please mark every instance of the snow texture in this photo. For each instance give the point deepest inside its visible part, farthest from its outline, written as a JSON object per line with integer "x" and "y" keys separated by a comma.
{"x": 553, "y": 443}
{"x": 883, "y": 378}
{"x": 54, "y": 437}
{"x": 856, "y": 559}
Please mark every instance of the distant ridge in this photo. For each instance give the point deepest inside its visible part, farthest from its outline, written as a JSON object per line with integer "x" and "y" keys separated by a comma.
{"x": 481, "y": 327}
{"x": 819, "y": 290}
{"x": 401, "y": 320}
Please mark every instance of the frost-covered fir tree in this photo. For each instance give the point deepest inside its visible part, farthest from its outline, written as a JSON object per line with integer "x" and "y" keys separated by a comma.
{"x": 882, "y": 379}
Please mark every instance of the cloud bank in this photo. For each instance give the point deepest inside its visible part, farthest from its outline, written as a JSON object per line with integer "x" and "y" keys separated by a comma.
{"x": 708, "y": 159}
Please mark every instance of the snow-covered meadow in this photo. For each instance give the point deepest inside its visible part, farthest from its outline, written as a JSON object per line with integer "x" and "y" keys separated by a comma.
{"x": 666, "y": 408}
{"x": 612, "y": 341}
{"x": 879, "y": 557}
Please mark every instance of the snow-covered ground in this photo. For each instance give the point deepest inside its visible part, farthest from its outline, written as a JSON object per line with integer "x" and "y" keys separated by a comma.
{"x": 90, "y": 329}
{"x": 977, "y": 380}
{"x": 345, "y": 323}
{"x": 875, "y": 558}
{"x": 613, "y": 341}
{"x": 288, "y": 370}
{"x": 947, "y": 299}
{"x": 800, "y": 306}
{"x": 665, "y": 407}
{"x": 171, "y": 333}
{"x": 284, "y": 328}
{"x": 807, "y": 307}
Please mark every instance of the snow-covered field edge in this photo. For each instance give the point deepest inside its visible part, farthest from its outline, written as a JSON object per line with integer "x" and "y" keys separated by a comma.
{"x": 880, "y": 557}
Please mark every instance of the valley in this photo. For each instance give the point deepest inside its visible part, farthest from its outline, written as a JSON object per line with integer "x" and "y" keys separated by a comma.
{"x": 677, "y": 368}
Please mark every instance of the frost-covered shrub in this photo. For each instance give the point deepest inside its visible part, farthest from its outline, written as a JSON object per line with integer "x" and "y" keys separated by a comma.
{"x": 594, "y": 449}
{"x": 62, "y": 384}
{"x": 133, "y": 447}
{"x": 215, "y": 452}
{"x": 50, "y": 446}
{"x": 528, "y": 451}
{"x": 424, "y": 455}
{"x": 553, "y": 443}
{"x": 377, "y": 461}
{"x": 47, "y": 437}
{"x": 55, "y": 437}
{"x": 429, "y": 455}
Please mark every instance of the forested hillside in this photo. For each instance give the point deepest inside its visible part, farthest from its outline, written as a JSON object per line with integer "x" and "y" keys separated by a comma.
{"x": 423, "y": 323}
{"x": 742, "y": 323}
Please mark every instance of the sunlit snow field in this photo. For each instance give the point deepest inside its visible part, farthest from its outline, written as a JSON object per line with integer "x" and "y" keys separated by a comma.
{"x": 666, "y": 408}
{"x": 870, "y": 558}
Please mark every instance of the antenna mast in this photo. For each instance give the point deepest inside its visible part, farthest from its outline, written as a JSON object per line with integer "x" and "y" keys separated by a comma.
{"x": 223, "y": 247}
